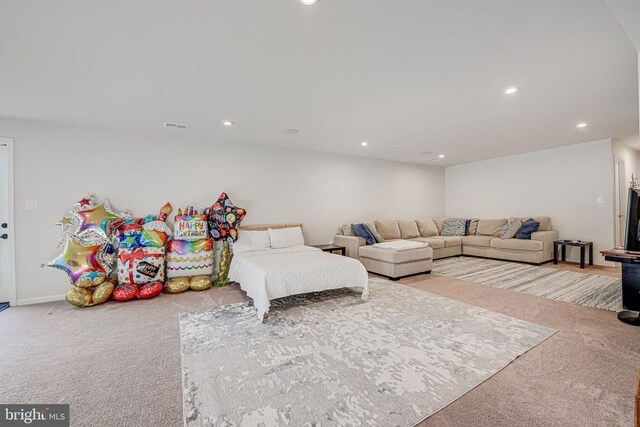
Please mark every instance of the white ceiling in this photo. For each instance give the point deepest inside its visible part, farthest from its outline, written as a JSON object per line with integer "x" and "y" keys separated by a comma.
{"x": 628, "y": 14}
{"x": 408, "y": 76}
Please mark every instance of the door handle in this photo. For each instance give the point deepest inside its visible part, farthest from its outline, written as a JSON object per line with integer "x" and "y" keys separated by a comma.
{"x": 3, "y": 225}
{"x": 4, "y": 236}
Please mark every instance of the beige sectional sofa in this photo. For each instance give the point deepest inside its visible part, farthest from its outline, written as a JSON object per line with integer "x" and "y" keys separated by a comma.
{"x": 482, "y": 241}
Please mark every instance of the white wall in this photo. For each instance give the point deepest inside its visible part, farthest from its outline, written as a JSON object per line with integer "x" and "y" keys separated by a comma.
{"x": 631, "y": 160}
{"x": 57, "y": 166}
{"x": 631, "y": 168}
{"x": 562, "y": 183}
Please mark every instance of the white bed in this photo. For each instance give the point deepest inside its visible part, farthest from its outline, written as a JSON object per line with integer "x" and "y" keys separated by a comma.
{"x": 268, "y": 274}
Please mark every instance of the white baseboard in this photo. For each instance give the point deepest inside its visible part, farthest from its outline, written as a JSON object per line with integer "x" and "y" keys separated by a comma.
{"x": 39, "y": 300}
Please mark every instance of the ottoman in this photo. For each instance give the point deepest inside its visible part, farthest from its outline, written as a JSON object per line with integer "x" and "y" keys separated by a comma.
{"x": 396, "y": 263}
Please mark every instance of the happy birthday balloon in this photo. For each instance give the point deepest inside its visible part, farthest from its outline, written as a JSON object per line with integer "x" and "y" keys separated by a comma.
{"x": 224, "y": 219}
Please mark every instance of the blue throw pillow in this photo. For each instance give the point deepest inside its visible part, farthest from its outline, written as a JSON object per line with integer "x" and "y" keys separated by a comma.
{"x": 361, "y": 230}
{"x": 527, "y": 229}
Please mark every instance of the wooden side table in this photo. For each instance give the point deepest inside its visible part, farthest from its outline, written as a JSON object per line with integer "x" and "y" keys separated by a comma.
{"x": 577, "y": 243}
{"x": 332, "y": 249}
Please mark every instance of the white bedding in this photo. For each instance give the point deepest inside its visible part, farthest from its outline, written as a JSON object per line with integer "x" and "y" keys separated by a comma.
{"x": 276, "y": 273}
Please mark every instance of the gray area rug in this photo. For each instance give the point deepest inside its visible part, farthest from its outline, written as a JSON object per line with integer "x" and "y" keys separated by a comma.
{"x": 332, "y": 359}
{"x": 585, "y": 289}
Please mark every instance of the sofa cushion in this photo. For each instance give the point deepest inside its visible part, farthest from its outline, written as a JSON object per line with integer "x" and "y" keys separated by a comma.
{"x": 395, "y": 257}
{"x": 372, "y": 228}
{"x": 388, "y": 229}
{"x": 408, "y": 229}
{"x": 490, "y": 227}
{"x": 511, "y": 228}
{"x": 451, "y": 240}
{"x": 517, "y": 244}
{"x": 484, "y": 241}
{"x": 434, "y": 242}
{"x": 438, "y": 222}
{"x": 346, "y": 230}
{"x": 472, "y": 227}
{"x": 454, "y": 227}
{"x": 427, "y": 227}
{"x": 545, "y": 222}
{"x": 361, "y": 230}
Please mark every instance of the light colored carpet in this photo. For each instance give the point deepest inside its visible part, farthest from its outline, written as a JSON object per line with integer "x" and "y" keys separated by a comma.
{"x": 119, "y": 364}
{"x": 589, "y": 290}
{"x": 333, "y": 359}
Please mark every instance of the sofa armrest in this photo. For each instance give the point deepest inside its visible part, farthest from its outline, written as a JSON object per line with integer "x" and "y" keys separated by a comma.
{"x": 352, "y": 243}
{"x": 547, "y": 238}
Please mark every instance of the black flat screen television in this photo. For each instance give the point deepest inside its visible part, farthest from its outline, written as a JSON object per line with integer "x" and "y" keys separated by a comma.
{"x": 633, "y": 210}
{"x": 631, "y": 271}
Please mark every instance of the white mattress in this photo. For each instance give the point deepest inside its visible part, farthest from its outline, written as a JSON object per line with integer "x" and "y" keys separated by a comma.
{"x": 275, "y": 273}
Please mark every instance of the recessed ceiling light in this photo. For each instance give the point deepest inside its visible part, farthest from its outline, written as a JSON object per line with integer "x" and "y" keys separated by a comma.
{"x": 364, "y": 143}
{"x": 581, "y": 125}
{"x": 441, "y": 156}
{"x": 510, "y": 90}
{"x": 308, "y": 2}
{"x": 227, "y": 123}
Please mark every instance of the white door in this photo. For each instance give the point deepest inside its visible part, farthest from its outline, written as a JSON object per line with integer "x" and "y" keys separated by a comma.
{"x": 620, "y": 205}
{"x": 6, "y": 273}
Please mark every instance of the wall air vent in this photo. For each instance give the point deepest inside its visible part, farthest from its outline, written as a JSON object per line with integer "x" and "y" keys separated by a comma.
{"x": 176, "y": 126}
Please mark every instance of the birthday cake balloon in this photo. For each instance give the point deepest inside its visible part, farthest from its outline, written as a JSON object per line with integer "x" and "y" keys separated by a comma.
{"x": 187, "y": 259}
{"x": 190, "y": 225}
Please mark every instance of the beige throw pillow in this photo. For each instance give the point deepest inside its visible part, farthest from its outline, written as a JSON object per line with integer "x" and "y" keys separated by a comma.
{"x": 427, "y": 227}
{"x": 389, "y": 230}
{"x": 346, "y": 230}
{"x": 438, "y": 222}
{"x": 372, "y": 228}
{"x": 408, "y": 229}
{"x": 490, "y": 227}
{"x": 511, "y": 228}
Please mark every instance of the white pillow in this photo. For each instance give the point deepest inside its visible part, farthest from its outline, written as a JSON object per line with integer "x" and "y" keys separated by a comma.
{"x": 286, "y": 237}
{"x": 249, "y": 241}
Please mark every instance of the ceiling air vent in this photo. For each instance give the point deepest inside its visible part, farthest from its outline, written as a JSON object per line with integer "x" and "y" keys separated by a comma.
{"x": 176, "y": 126}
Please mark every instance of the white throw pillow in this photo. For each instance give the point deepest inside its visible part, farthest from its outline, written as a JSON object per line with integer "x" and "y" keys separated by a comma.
{"x": 286, "y": 237}
{"x": 249, "y": 241}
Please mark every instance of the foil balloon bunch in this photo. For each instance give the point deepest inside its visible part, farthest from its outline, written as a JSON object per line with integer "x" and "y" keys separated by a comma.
{"x": 87, "y": 255}
{"x": 190, "y": 254}
{"x": 141, "y": 255}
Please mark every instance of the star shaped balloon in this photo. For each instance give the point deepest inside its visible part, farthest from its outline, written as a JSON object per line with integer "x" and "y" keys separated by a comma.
{"x": 87, "y": 201}
{"x": 65, "y": 222}
{"x": 224, "y": 219}
{"x": 94, "y": 222}
{"x": 79, "y": 260}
